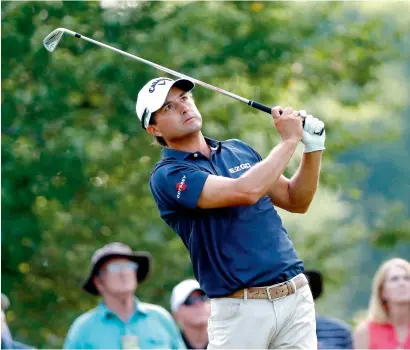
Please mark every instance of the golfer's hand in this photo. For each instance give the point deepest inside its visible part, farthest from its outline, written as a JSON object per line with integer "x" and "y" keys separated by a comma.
{"x": 310, "y": 139}
{"x": 288, "y": 123}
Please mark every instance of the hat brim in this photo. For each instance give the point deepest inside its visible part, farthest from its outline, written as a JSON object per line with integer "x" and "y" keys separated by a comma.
{"x": 143, "y": 259}
{"x": 183, "y": 84}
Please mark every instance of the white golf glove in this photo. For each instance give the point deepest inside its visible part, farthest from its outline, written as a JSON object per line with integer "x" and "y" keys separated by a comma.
{"x": 310, "y": 139}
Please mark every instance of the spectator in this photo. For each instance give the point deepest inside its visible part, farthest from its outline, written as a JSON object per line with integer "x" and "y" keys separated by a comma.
{"x": 331, "y": 333}
{"x": 7, "y": 341}
{"x": 388, "y": 321}
{"x": 121, "y": 320}
{"x": 191, "y": 310}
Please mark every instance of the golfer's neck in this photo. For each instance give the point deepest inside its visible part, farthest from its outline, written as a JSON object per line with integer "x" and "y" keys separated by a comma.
{"x": 192, "y": 143}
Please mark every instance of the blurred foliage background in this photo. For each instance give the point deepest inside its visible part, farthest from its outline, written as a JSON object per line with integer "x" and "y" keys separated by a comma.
{"x": 76, "y": 163}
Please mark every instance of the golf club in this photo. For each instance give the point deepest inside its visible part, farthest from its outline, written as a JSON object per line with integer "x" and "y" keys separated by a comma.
{"x": 52, "y": 40}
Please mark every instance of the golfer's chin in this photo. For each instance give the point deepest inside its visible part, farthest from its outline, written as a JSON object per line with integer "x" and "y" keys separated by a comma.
{"x": 192, "y": 125}
{"x": 185, "y": 131}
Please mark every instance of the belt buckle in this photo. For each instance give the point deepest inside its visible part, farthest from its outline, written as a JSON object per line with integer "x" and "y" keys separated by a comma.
{"x": 268, "y": 292}
{"x": 274, "y": 286}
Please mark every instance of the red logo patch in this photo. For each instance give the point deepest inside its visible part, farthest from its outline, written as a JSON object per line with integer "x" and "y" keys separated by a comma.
{"x": 180, "y": 186}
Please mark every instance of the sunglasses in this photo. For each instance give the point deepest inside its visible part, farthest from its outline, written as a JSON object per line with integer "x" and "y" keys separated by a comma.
{"x": 122, "y": 266}
{"x": 191, "y": 300}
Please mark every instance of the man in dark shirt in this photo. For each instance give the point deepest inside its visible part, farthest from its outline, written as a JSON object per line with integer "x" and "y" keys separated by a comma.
{"x": 191, "y": 310}
{"x": 331, "y": 333}
{"x": 219, "y": 197}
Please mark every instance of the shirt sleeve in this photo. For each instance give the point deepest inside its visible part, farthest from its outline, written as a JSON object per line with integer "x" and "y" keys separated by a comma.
{"x": 175, "y": 338}
{"x": 177, "y": 184}
{"x": 73, "y": 339}
{"x": 178, "y": 342}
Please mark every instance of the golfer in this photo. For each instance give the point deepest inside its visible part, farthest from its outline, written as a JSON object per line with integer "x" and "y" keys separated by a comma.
{"x": 220, "y": 198}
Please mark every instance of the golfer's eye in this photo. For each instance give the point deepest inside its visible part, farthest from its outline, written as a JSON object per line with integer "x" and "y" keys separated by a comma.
{"x": 184, "y": 98}
{"x": 168, "y": 107}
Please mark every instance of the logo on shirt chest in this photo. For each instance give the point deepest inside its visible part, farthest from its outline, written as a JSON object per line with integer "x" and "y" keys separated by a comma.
{"x": 181, "y": 186}
{"x": 239, "y": 168}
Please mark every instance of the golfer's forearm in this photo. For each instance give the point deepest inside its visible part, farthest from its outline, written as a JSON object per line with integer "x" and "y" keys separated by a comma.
{"x": 257, "y": 181}
{"x": 303, "y": 185}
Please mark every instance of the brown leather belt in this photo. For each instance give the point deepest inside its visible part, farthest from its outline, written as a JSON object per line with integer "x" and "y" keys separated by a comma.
{"x": 276, "y": 291}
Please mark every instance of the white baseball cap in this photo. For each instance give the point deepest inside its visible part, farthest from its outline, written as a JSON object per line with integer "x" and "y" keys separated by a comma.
{"x": 153, "y": 95}
{"x": 182, "y": 291}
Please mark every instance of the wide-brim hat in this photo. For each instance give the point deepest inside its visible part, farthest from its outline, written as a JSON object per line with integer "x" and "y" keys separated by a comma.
{"x": 116, "y": 250}
{"x": 315, "y": 282}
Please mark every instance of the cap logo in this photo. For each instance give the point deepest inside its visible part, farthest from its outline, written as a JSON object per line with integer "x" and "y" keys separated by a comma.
{"x": 160, "y": 81}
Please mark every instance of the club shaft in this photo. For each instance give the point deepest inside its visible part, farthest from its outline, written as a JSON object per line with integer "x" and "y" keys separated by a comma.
{"x": 251, "y": 103}
{"x": 167, "y": 70}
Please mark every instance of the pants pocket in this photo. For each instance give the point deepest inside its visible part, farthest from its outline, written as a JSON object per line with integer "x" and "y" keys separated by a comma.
{"x": 306, "y": 294}
{"x": 224, "y": 309}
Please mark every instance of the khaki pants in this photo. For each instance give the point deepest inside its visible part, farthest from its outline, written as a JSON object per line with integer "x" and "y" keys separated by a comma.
{"x": 287, "y": 323}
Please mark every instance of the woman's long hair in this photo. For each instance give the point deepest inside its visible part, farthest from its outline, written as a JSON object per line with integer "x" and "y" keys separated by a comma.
{"x": 377, "y": 307}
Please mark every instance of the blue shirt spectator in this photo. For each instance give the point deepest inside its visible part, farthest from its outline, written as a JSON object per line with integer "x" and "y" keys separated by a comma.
{"x": 121, "y": 321}
{"x": 149, "y": 327}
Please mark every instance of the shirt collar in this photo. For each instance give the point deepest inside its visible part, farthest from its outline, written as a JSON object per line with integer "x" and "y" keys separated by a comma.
{"x": 181, "y": 155}
{"x": 106, "y": 312}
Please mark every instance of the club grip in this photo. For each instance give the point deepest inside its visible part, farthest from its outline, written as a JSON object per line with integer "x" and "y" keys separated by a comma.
{"x": 268, "y": 110}
{"x": 260, "y": 106}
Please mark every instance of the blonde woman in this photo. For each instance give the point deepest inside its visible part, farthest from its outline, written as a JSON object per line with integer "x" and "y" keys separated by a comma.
{"x": 388, "y": 322}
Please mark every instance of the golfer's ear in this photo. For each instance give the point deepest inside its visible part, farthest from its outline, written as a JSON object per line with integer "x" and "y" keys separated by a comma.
{"x": 153, "y": 130}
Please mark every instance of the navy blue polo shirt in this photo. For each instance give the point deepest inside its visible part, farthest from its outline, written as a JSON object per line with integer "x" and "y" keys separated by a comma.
{"x": 231, "y": 248}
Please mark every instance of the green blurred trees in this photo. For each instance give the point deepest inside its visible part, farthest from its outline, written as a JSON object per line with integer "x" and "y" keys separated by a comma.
{"x": 76, "y": 163}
